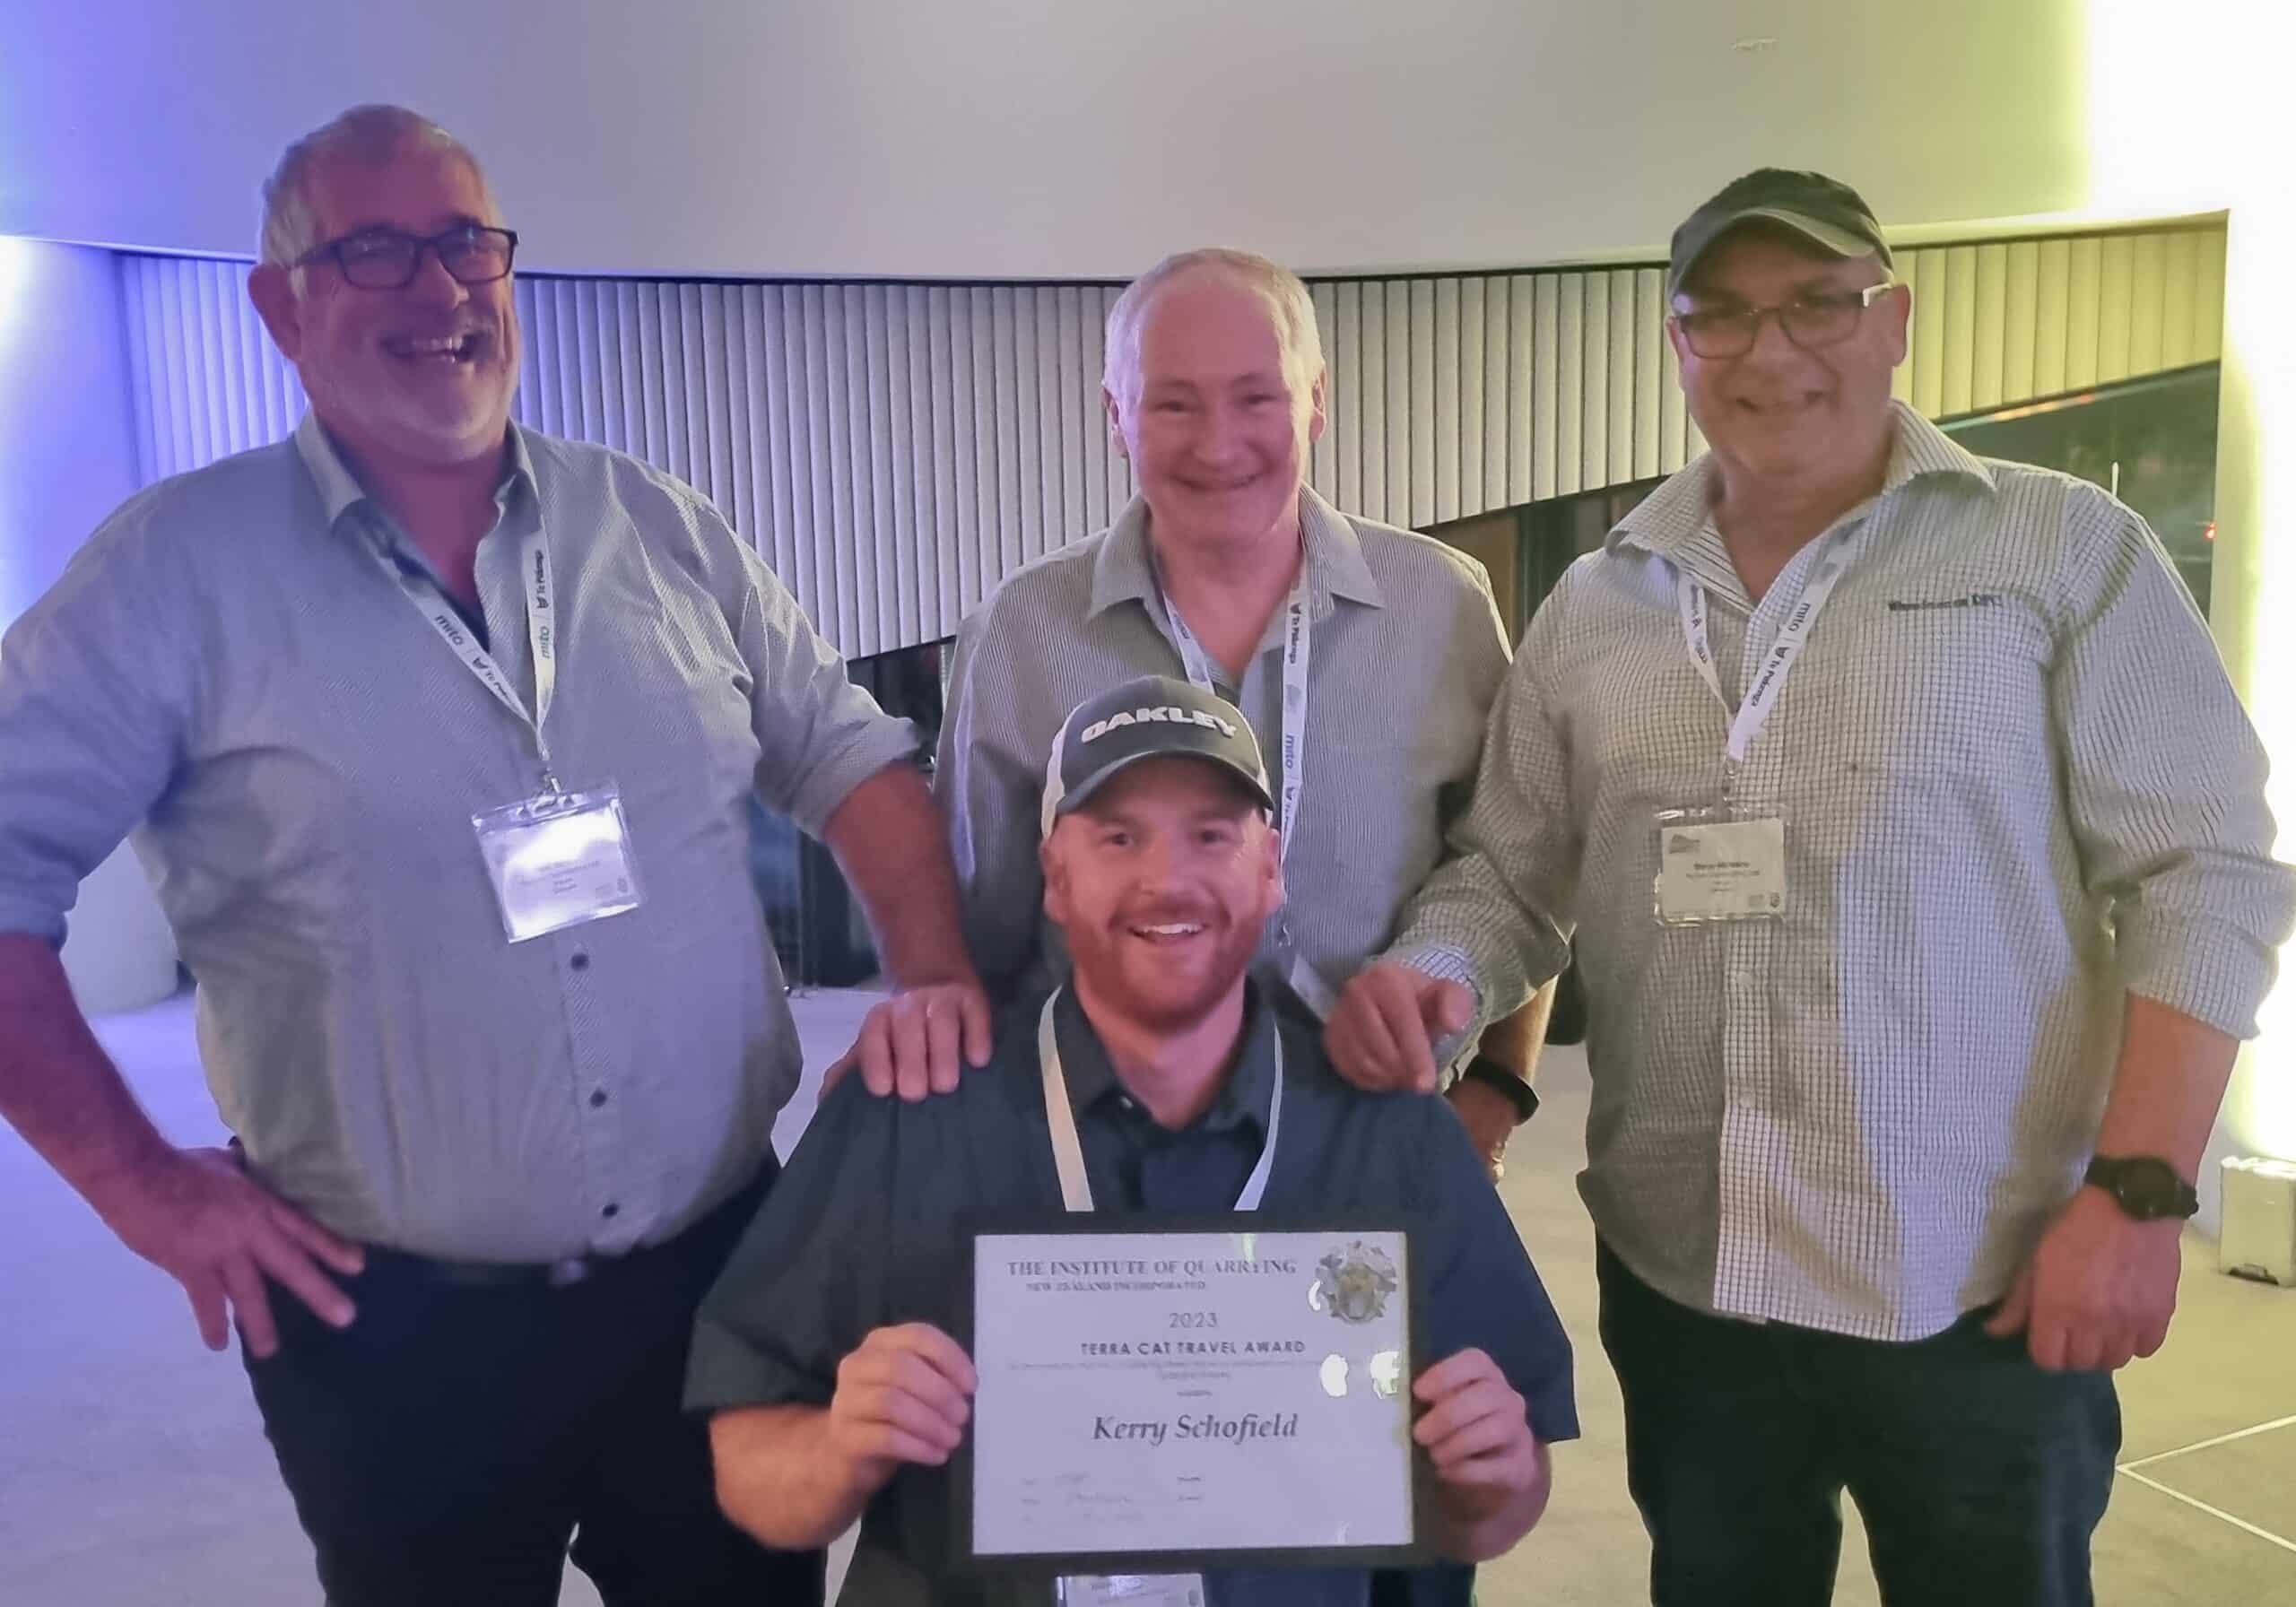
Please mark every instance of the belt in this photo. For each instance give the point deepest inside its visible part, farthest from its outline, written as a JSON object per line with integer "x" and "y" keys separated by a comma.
{"x": 727, "y": 1218}
{"x": 503, "y": 1274}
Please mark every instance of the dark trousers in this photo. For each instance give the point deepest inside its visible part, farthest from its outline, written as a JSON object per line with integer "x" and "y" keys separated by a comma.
{"x": 1979, "y": 1477}
{"x": 452, "y": 1444}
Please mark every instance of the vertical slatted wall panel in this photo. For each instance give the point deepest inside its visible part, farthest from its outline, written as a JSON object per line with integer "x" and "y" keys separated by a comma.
{"x": 896, "y": 449}
{"x": 206, "y": 380}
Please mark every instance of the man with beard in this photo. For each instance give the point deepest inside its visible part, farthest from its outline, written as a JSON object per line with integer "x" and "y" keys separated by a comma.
{"x": 833, "y": 1352}
{"x": 442, "y": 736}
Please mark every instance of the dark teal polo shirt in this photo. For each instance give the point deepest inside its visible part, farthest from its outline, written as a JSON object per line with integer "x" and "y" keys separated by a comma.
{"x": 868, "y": 1226}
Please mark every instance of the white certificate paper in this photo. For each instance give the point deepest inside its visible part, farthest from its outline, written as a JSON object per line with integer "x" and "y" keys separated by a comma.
{"x": 1189, "y": 1394}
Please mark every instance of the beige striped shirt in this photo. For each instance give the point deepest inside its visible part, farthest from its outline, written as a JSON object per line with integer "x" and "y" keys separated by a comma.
{"x": 2016, "y": 783}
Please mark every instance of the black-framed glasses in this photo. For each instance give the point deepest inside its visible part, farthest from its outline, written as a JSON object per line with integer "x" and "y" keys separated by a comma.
{"x": 1812, "y": 320}
{"x": 387, "y": 259}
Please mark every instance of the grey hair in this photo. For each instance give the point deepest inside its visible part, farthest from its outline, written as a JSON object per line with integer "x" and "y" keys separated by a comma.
{"x": 1286, "y": 293}
{"x": 369, "y": 135}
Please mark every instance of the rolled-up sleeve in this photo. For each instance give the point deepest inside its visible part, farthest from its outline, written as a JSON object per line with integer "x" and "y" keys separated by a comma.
{"x": 2164, "y": 784}
{"x": 808, "y": 1282}
{"x": 97, "y": 685}
{"x": 1493, "y": 913}
{"x": 818, "y": 735}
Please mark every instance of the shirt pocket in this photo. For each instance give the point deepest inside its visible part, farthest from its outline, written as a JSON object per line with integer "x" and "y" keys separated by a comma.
{"x": 1925, "y": 743}
{"x": 1642, "y": 737}
{"x": 661, "y": 696}
{"x": 1935, "y": 696}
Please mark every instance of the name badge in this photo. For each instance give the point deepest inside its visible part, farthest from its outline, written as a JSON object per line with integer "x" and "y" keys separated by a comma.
{"x": 1132, "y": 1590}
{"x": 1711, "y": 869}
{"x": 558, "y": 860}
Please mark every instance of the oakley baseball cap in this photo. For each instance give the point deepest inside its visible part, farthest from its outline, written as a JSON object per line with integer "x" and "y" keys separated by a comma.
{"x": 1154, "y": 717}
{"x": 1822, "y": 210}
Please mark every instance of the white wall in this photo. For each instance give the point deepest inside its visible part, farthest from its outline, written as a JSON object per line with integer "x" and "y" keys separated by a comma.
{"x": 2161, "y": 155}
{"x": 67, "y": 459}
{"x": 1050, "y": 138}
{"x": 67, "y": 454}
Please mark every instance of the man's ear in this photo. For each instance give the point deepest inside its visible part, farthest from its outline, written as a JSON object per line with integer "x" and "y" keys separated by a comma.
{"x": 1897, "y": 309}
{"x": 1674, "y": 338}
{"x": 1056, "y": 882}
{"x": 1113, "y": 410}
{"x": 1272, "y": 867}
{"x": 272, "y": 289}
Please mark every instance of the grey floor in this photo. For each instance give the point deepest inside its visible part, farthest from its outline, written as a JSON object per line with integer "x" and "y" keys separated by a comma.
{"x": 134, "y": 1473}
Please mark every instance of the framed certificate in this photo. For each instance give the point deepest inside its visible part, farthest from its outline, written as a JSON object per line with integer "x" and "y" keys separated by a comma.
{"x": 1212, "y": 1392}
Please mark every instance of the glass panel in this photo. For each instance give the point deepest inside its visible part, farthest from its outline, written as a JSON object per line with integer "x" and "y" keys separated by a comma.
{"x": 818, "y": 927}
{"x": 2152, "y": 443}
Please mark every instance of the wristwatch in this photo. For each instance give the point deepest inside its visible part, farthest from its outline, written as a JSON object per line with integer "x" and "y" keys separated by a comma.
{"x": 2145, "y": 1186}
{"x": 1516, "y": 1092}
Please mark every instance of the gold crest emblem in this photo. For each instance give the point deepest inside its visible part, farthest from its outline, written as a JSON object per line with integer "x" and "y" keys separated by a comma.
{"x": 1354, "y": 1284}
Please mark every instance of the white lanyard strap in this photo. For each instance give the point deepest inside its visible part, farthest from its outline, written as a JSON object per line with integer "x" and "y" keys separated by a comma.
{"x": 1293, "y": 759}
{"x": 1769, "y": 678}
{"x": 1068, "y": 1152}
{"x": 542, "y": 635}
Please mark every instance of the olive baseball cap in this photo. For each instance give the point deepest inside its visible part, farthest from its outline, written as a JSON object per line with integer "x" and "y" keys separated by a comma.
{"x": 1824, "y": 211}
{"x": 1154, "y": 717}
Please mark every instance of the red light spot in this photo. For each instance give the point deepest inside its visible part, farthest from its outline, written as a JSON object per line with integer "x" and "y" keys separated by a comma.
{"x": 2208, "y": 531}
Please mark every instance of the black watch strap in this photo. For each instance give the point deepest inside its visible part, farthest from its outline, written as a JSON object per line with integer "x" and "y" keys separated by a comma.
{"x": 2145, "y": 1186}
{"x": 1518, "y": 1093}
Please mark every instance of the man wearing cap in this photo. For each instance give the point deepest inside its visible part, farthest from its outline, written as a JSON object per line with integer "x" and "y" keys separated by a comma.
{"x": 1367, "y": 657}
{"x": 1917, "y": 853}
{"x": 833, "y": 1351}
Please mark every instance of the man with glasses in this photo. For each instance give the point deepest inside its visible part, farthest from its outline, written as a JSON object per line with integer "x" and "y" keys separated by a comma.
{"x": 439, "y": 736}
{"x": 1919, "y": 862}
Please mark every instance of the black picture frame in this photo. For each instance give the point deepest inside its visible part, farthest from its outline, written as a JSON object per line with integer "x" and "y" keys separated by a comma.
{"x": 1418, "y": 1552}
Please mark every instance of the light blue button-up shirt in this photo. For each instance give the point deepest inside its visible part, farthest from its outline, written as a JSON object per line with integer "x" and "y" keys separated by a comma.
{"x": 226, "y": 662}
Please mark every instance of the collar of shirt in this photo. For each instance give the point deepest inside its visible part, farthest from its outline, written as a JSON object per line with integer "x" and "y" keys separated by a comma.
{"x": 1121, "y": 572}
{"x": 340, "y": 491}
{"x": 1675, "y": 515}
{"x": 1243, "y": 1097}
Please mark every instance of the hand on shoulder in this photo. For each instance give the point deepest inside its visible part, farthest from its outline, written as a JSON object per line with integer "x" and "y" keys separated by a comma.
{"x": 919, "y": 1041}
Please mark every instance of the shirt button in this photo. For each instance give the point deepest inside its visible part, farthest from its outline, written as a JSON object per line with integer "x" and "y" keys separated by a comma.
{"x": 581, "y": 960}
{"x": 597, "y": 1098}
{"x": 611, "y": 1210}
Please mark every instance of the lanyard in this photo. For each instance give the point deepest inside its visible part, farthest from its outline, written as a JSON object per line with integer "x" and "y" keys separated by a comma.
{"x": 1761, "y": 695}
{"x": 1069, "y": 1152}
{"x": 542, "y": 635}
{"x": 1293, "y": 757}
